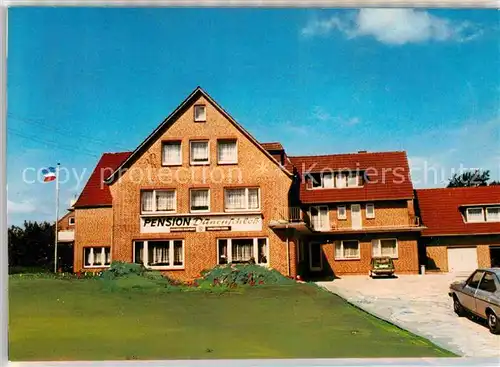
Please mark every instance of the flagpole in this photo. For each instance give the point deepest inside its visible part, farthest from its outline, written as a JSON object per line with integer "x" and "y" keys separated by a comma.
{"x": 57, "y": 218}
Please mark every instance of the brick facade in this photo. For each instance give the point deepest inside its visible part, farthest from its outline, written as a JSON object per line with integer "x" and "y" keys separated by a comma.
{"x": 109, "y": 214}
{"x": 437, "y": 249}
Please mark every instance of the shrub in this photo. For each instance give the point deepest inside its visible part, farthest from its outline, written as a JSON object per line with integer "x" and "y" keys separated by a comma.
{"x": 237, "y": 275}
{"x": 120, "y": 269}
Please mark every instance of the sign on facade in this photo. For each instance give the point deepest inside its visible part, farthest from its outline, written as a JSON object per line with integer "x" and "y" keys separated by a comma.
{"x": 195, "y": 223}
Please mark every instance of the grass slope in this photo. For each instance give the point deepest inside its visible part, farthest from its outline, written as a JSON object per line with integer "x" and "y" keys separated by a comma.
{"x": 53, "y": 319}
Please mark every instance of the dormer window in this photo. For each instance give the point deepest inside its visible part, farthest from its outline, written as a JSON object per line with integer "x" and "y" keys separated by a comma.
{"x": 200, "y": 113}
{"x": 482, "y": 214}
{"x": 339, "y": 180}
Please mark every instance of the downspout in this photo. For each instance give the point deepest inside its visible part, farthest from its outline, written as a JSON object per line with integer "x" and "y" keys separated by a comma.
{"x": 287, "y": 252}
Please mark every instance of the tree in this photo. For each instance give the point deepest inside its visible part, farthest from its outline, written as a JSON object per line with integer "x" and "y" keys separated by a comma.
{"x": 470, "y": 179}
{"x": 31, "y": 246}
{"x": 493, "y": 183}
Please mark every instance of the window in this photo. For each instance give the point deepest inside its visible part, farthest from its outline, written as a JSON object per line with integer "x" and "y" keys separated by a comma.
{"x": 96, "y": 257}
{"x": 493, "y": 214}
{"x": 488, "y": 283}
{"x": 474, "y": 279}
{"x": 199, "y": 152}
{"x": 243, "y": 250}
{"x": 153, "y": 201}
{"x": 385, "y": 247}
{"x": 227, "y": 152}
{"x": 347, "y": 250}
{"x": 171, "y": 153}
{"x": 71, "y": 221}
{"x": 241, "y": 199}
{"x": 475, "y": 215}
{"x": 328, "y": 180}
{"x": 341, "y": 213}
{"x": 200, "y": 200}
{"x": 352, "y": 180}
{"x": 370, "y": 211}
{"x": 319, "y": 218}
{"x": 200, "y": 113}
{"x": 159, "y": 254}
{"x": 340, "y": 180}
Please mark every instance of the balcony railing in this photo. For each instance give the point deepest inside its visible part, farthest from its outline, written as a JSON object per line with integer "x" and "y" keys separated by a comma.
{"x": 291, "y": 214}
{"x": 297, "y": 215}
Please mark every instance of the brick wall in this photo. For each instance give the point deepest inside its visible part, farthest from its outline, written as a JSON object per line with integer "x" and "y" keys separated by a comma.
{"x": 387, "y": 213}
{"x": 94, "y": 228}
{"x": 407, "y": 261}
{"x": 254, "y": 169}
{"x": 437, "y": 249}
{"x": 63, "y": 224}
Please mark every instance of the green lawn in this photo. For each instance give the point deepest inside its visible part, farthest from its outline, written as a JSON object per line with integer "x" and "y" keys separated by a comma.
{"x": 77, "y": 320}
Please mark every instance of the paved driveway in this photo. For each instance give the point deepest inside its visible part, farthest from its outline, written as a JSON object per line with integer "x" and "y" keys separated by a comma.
{"x": 420, "y": 304}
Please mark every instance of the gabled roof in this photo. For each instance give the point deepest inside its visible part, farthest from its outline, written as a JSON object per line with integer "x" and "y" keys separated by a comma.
{"x": 96, "y": 193}
{"x": 388, "y": 173}
{"x": 172, "y": 118}
{"x": 441, "y": 210}
{"x": 272, "y": 146}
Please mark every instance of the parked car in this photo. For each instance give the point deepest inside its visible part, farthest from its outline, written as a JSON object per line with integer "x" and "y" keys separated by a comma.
{"x": 479, "y": 295}
{"x": 381, "y": 265}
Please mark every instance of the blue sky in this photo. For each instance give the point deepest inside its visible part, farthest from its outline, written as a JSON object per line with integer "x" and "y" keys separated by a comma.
{"x": 86, "y": 81}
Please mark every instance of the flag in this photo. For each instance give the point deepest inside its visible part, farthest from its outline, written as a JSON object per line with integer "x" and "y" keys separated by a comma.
{"x": 49, "y": 174}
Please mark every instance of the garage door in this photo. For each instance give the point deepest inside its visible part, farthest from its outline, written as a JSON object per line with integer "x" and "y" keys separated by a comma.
{"x": 462, "y": 259}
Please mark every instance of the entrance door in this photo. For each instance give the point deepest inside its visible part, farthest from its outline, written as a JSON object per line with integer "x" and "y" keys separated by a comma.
{"x": 462, "y": 259}
{"x": 315, "y": 256}
{"x": 356, "y": 216}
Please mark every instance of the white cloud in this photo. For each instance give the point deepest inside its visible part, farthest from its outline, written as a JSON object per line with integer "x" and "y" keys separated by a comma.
{"x": 394, "y": 26}
{"x": 324, "y": 116}
{"x": 22, "y": 207}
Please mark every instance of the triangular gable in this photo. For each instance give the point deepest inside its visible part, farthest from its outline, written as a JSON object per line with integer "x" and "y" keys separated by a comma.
{"x": 172, "y": 118}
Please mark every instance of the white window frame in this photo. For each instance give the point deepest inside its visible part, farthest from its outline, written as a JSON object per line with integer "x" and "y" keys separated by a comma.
{"x": 103, "y": 252}
{"x": 315, "y": 268}
{"x": 179, "y": 163}
{"x": 255, "y": 241}
{"x": 246, "y": 199}
{"x": 488, "y": 218}
{"x": 71, "y": 221}
{"x": 378, "y": 240}
{"x": 370, "y": 216}
{"x": 343, "y": 257}
{"x": 194, "y": 163}
{"x": 475, "y": 221}
{"x": 204, "y": 117}
{"x": 318, "y": 208}
{"x": 155, "y": 211}
{"x": 342, "y": 217}
{"x": 145, "y": 254}
{"x": 191, "y": 200}
{"x": 235, "y": 161}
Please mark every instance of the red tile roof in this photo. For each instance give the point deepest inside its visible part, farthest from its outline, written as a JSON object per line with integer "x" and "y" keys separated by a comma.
{"x": 440, "y": 210}
{"x": 388, "y": 173}
{"x": 96, "y": 192}
{"x": 272, "y": 146}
